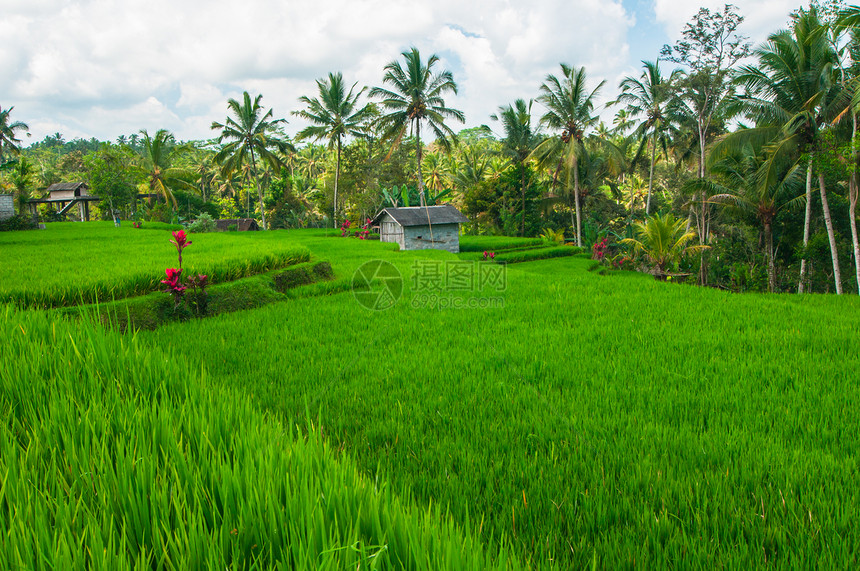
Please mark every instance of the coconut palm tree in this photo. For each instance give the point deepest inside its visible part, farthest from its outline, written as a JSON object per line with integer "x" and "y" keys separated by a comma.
{"x": 251, "y": 134}
{"x": 791, "y": 95}
{"x": 334, "y": 115}
{"x": 416, "y": 97}
{"x": 569, "y": 110}
{"x": 156, "y": 162}
{"x": 748, "y": 181}
{"x": 649, "y": 97}
{"x": 517, "y": 144}
{"x": 664, "y": 241}
{"x": 9, "y": 141}
{"x": 437, "y": 172}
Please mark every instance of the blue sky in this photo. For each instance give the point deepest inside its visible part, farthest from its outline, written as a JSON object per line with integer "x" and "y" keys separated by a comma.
{"x": 109, "y": 67}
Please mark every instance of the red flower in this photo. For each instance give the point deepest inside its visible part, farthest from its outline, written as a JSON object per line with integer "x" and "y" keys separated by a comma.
{"x": 172, "y": 276}
{"x": 180, "y": 240}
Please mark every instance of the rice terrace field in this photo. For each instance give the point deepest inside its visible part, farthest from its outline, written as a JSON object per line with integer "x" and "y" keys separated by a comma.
{"x": 583, "y": 419}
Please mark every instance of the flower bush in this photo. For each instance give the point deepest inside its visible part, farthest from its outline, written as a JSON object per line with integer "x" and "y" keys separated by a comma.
{"x": 598, "y": 250}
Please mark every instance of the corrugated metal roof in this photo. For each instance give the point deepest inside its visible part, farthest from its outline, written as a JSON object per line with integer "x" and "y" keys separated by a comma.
{"x": 67, "y": 186}
{"x": 418, "y": 215}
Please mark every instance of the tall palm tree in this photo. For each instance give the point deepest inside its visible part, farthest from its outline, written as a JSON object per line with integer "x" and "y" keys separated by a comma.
{"x": 252, "y": 134}
{"x": 518, "y": 143}
{"x": 311, "y": 161}
{"x": 416, "y": 96}
{"x": 156, "y": 162}
{"x": 334, "y": 115}
{"x": 9, "y": 141}
{"x": 751, "y": 183}
{"x": 569, "y": 107}
{"x": 648, "y": 97}
{"x": 791, "y": 95}
{"x": 436, "y": 173}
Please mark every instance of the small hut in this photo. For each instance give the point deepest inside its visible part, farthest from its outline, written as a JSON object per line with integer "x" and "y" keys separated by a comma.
{"x": 66, "y": 195}
{"x": 421, "y": 227}
{"x": 7, "y": 206}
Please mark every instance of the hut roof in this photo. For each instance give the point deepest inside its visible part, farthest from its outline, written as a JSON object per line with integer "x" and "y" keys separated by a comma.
{"x": 418, "y": 215}
{"x": 67, "y": 186}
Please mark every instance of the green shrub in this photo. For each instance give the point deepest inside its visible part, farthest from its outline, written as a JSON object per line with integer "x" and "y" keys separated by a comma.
{"x": 304, "y": 274}
{"x": 538, "y": 254}
{"x": 496, "y": 243}
{"x": 18, "y": 222}
{"x": 204, "y": 223}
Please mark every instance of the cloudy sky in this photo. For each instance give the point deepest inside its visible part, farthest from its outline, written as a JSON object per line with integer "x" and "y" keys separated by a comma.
{"x": 102, "y": 68}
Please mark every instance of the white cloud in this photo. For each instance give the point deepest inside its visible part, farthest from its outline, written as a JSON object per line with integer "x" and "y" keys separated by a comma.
{"x": 109, "y": 67}
{"x": 761, "y": 17}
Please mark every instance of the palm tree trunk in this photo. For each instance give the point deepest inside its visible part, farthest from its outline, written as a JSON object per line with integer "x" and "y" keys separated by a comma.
{"x": 651, "y": 173}
{"x": 259, "y": 189}
{"x": 418, "y": 154}
{"x": 828, "y": 222}
{"x": 523, "y": 188}
{"x": 576, "y": 199}
{"x": 336, "y": 178}
{"x": 771, "y": 266}
{"x": 852, "y": 205}
{"x": 806, "y": 222}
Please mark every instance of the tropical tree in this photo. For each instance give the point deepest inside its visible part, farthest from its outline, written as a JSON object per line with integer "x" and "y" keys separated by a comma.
{"x": 709, "y": 48}
{"x": 569, "y": 110}
{"x": 648, "y": 97}
{"x": 21, "y": 177}
{"x": 664, "y": 241}
{"x": 416, "y": 96}
{"x": 518, "y": 143}
{"x": 9, "y": 141}
{"x": 748, "y": 181}
{"x": 791, "y": 95}
{"x": 252, "y": 134}
{"x": 156, "y": 162}
{"x": 335, "y": 114}
{"x": 437, "y": 172}
{"x": 311, "y": 161}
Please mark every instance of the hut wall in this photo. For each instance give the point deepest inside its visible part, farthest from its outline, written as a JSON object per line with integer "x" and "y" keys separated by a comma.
{"x": 58, "y": 194}
{"x": 391, "y": 231}
{"x": 445, "y": 237}
{"x": 7, "y": 206}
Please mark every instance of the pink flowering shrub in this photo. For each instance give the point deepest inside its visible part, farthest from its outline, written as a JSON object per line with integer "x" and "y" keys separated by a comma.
{"x": 598, "y": 250}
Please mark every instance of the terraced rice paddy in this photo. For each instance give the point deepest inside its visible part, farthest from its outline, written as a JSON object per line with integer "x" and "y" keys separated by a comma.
{"x": 583, "y": 420}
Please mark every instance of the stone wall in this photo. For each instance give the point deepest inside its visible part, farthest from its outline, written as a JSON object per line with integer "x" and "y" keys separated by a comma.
{"x": 7, "y": 206}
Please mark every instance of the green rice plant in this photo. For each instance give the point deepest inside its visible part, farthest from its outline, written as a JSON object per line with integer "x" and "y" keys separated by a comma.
{"x": 615, "y": 422}
{"x": 496, "y": 243}
{"x": 537, "y": 254}
{"x": 115, "y": 456}
{"x": 74, "y": 263}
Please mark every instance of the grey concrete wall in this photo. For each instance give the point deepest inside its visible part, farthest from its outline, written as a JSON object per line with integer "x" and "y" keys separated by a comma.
{"x": 445, "y": 237}
{"x": 7, "y": 206}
